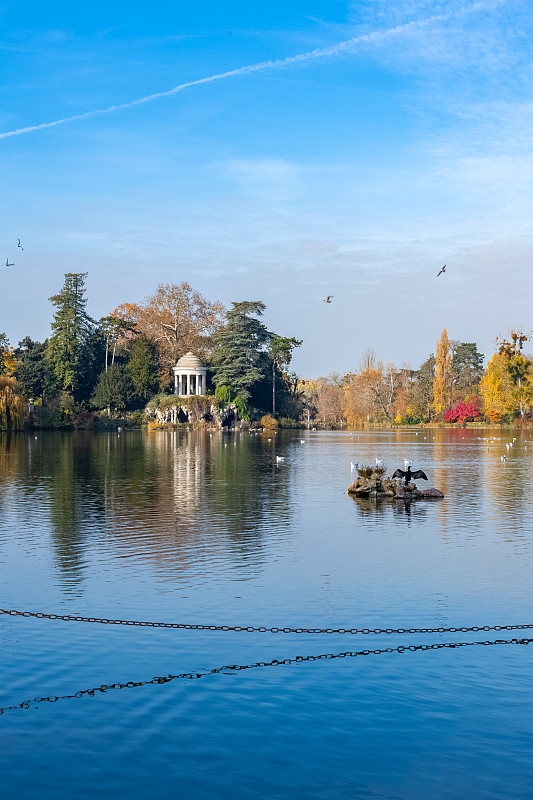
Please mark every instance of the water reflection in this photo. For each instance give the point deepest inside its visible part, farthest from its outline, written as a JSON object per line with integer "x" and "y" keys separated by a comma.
{"x": 374, "y": 509}
{"x": 231, "y": 669}
{"x": 172, "y": 497}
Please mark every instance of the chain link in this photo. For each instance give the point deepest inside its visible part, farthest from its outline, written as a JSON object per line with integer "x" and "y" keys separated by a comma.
{"x": 260, "y": 629}
{"x": 230, "y": 668}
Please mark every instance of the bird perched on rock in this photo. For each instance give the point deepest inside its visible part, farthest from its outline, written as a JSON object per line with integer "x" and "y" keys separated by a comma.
{"x": 408, "y": 475}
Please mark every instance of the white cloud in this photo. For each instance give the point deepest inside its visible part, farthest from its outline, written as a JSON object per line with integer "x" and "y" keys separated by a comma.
{"x": 377, "y": 37}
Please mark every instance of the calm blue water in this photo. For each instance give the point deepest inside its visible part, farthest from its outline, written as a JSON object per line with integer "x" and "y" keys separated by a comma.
{"x": 179, "y": 527}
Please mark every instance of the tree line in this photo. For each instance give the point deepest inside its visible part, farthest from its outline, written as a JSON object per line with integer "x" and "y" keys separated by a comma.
{"x": 115, "y": 365}
{"x": 450, "y": 386}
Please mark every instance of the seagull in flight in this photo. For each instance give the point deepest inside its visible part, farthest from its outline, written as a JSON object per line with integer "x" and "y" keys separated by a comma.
{"x": 8, "y": 264}
{"x": 442, "y": 270}
{"x": 19, "y": 245}
{"x": 328, "y": 299}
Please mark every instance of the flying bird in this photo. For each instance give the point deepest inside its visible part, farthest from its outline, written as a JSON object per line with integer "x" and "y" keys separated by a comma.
{"x": 19, "y": 245}
{"x": 407, "y": 463}
{"x": 442, "y": 270}
{"x": 408, "y": 475}
{"x": 328, "y": 299}
{"x": 8, "y": 264}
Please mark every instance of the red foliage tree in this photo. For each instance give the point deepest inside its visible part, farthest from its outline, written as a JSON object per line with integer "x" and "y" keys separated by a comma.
{"x": 463, "y": 411}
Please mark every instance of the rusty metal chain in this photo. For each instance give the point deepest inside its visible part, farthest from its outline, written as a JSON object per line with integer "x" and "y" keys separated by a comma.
{"x": 259, "y": 629}
{"x": 229, "y": 668}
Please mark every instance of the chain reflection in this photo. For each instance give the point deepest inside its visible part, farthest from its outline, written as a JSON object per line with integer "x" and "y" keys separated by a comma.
{"x": 230, "y": 669}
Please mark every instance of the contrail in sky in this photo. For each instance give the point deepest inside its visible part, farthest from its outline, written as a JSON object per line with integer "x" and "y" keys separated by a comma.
{"x": 302, "y": 58}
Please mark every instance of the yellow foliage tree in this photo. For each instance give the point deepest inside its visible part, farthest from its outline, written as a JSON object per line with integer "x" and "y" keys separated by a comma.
{"x": 443, "y": 381}
{"x": 8, "y": 362}
{"x": 497, "y": 388}
{"x": 12, "y": 406}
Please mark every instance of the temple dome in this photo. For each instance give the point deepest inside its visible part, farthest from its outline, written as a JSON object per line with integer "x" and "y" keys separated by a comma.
{"x": 189, "y": 363}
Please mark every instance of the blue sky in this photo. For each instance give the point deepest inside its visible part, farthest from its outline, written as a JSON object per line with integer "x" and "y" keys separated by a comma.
{"x": 369, "y": 143}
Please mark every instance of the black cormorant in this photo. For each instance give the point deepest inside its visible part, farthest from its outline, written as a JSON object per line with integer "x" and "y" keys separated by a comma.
{"x": 408, "y": 475}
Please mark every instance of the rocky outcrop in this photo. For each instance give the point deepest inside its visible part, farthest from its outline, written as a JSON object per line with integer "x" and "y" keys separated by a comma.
{"x": 196, "y": 409}
{"x": 379, "y": 486}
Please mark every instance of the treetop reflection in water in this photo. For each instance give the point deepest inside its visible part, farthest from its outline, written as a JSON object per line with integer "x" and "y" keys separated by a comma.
{"x": 174, "y": 489}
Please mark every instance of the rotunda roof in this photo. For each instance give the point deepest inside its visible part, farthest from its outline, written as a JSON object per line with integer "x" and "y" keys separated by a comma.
{"x": 190, "y": 362}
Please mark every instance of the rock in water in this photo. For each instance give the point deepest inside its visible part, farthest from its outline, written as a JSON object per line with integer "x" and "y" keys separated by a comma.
{"x": 380, "y": 486}
{"x": 432, "y": 493}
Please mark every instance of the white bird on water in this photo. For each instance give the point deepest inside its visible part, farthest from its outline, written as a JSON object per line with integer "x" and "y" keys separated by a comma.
{"x": 280, "y": 458}
{"x": 503, "y": 458}
{"x": 379, "y": 462}
{"x": 354, "y": 466}
{"x": 407, "y": 463}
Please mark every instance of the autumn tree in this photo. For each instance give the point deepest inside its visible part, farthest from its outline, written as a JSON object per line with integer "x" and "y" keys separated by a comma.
{"x": 496, "y": 388}
{"x": 8, "y": 361}
{"x": 12, "y": 406}
{"x": 519, "y": 368}
{"x": 372, "y": 391}
{"x": 330, "y": 402}
{"x": 443, "y": 381}
{"x": 176, "y": 319}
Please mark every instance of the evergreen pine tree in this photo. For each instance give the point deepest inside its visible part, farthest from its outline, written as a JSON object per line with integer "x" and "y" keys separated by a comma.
{"x": 71, "y": 331}
{"x": 238, "y": 358}
{"x": 142, "y": 368}
{"x": 114, "y": 389}
{"x": 33, "y": 371}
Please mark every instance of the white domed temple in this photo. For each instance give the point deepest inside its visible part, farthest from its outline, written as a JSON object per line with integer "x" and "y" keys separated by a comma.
{"x": 189, "y": 376}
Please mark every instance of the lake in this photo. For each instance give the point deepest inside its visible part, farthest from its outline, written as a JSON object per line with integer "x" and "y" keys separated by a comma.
{"x": 215, "y": 529}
